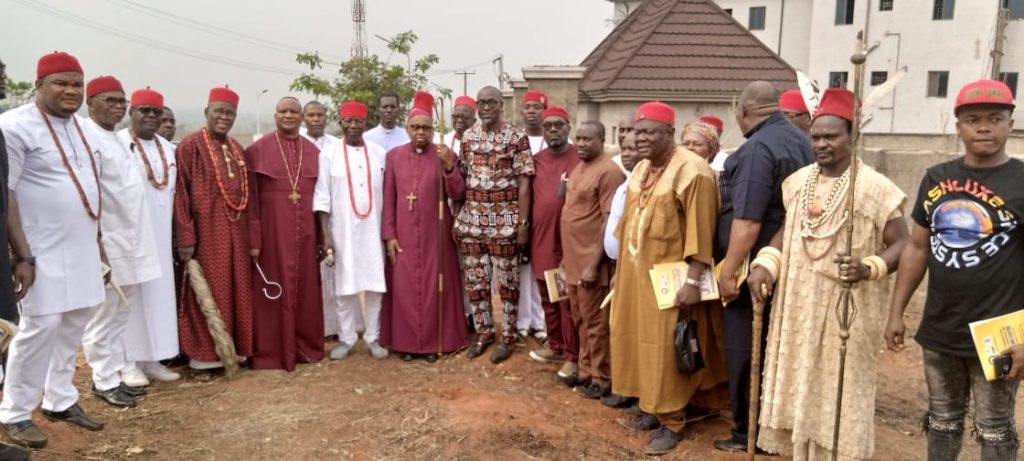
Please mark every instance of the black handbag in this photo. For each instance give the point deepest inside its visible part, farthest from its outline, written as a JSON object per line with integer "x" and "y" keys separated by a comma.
{"x": 689, "y": 360}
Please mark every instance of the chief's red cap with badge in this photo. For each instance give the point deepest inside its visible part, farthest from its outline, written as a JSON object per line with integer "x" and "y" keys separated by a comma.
{"x": 656, "y": 111}
{"x": 535, "y": 96}
{"x": 353, "y": 109}
{"x": 556, "y": 111}
{"x": 57, "y": 62}
{"x": 224, "y": 94}
{"x": 837, "y": 102}
{"x": 713, "y": 121}
{"x": 984, "y": 92}
{"x": 466, "y": 101}
{"x": 147, "y": 97}
{"x": 793, "y": 100}
{"x": 102, "y": 84}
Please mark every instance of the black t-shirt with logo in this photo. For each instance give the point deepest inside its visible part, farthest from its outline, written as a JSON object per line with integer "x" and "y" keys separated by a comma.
{"x": 977, "y": 257}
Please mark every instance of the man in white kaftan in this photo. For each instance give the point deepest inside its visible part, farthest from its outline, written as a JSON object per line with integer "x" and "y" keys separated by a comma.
{"x": 152, "y": 333}
{"x": 54, "y": 179}
{"x": 127, "y": 238}
{"x": 348, "y": 200}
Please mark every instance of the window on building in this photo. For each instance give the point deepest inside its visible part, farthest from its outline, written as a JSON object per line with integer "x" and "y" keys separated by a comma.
{"x": 844, "y": 12}
{"x": 1016, "y": 8}
{"x": 885, "y": 5}
{"x": 943, "y": 9}
{"x": 878, "y": 78}
{"x": 1010, "y": 79}
{"x": 938, "y": 83}
{"x": 837, "y": 79}
{"x": 728, "y": 11}
{"x": 756, "y": 21}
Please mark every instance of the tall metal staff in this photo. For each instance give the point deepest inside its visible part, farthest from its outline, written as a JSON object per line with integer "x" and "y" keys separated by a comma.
{"x": 441, "y": 233}
{"x": 846, "y": 308}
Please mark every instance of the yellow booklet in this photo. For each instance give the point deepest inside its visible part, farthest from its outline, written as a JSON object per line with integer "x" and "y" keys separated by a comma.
{"x": 995, "y": 335}
{"x": 668, "y": 278}
{"x": 558, "y": 289}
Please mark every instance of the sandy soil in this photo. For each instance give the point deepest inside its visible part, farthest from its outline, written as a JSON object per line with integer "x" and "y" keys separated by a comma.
{"x": 455, "y": 409}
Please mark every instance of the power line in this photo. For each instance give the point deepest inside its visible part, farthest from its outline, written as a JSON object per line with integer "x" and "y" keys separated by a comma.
{"x": 214, "y": 29}
{"x": 84, "y": 22}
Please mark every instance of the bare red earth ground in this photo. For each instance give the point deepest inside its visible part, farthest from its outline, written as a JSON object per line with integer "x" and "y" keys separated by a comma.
{"x": 455, "y": 409}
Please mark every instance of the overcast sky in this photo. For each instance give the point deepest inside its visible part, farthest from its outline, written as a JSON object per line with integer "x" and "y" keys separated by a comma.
{"x": 183, "y": 47}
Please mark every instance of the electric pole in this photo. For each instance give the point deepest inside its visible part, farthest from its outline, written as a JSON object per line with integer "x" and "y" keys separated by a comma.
{"x": 359, "y": 24}
{"x": 465, "y": 80}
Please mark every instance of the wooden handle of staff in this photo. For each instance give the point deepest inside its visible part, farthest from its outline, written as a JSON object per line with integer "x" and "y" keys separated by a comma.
{"x": 755, "y": 375}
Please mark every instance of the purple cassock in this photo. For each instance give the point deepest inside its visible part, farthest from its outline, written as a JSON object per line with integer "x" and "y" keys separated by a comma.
{"x": 410, "y": 318}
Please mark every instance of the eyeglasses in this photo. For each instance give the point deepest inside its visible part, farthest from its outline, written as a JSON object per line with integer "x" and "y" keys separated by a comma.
{"x": 114, "y": 101}
{"x": 641, "y": 133}
{"x": 145, "y": 110}
{"x": 553, "y": 125}
{"x": 420, "y": 127}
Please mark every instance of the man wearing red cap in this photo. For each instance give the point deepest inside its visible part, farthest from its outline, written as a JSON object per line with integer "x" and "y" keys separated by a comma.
{"x": 493, "y": 225}
{"x": 671, "y": 206}
{"x": 752, "y": 212}
{"x": 210, "y": 225}
{"x": 414, "y": 178}
{"x": 802, "y": 351}
{"x": 795, "y": 109}
{"x": 127, "y": 239}
{"x": 588, "y": 271}
{"x": 552, "y": 166}
{"x": 463, "y": 117}
{"x": 348, "y": 200}
{"x": 719, "y": 156}
{"x": 967, "y": 236}
{"x": 530, "y": 314}
{"x": 54, "y": 178}
{"x": 283, "y": 168}
{"x": 152, "y": 331}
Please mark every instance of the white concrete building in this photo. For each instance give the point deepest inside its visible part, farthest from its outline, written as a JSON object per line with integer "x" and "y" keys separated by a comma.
{"x": 943, "y": 43}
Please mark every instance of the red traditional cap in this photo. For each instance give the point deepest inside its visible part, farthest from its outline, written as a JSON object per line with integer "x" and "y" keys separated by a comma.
{"x": 422, "y": 104}
{"x": 353, "y": 109}
{"x": 837, "y": 102}
{"x": 102, "y": 84}
{"x": 535, "y": 96}
{"x": 57, "y": 62}
{"x": 713, "y": 121}
{"x": 418, "y": 111}
{"x": 793, "y": 100}
{"x": 984, "y": 92}
{"x": 466, "y": 101}
{"x": 556, "y": 111}
{"x": 147, "y": 97}
{"x": 224, "y": 94}
{"x": 657, "y": 111}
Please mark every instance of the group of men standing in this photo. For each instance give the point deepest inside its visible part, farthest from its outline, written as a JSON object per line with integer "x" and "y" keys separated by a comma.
{"x": 408, "y": 237}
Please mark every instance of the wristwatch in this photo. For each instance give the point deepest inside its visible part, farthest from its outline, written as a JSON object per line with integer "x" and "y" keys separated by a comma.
{"x": 692, "y": 282}
{"x": 30, "y": 260}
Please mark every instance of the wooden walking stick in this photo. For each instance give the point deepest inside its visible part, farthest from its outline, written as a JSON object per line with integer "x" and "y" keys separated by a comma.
{"x": 441, "y": 233}
{"x": 755, "y": 373}
{"x": 846, "y": 308}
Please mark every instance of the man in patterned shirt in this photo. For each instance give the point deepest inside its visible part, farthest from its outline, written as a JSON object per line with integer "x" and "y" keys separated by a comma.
{"x": 498, "y": 167}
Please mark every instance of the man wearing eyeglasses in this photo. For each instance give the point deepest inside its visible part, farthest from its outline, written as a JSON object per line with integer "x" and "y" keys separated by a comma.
{"x": 795, "y": 109}
{"x": 128, "y": 240}
{"x": 493, "y": 225}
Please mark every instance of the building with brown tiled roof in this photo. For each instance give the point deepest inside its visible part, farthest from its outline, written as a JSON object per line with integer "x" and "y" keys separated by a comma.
{"x": 688, "y": 53}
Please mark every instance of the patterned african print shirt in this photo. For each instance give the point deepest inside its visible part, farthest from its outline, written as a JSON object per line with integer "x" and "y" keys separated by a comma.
{"x": 492, "y": 162}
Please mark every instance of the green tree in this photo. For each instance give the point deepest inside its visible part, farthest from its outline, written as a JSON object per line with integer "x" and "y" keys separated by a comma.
{"x": 362, "y": 79}
{"x": 18, "y": 93}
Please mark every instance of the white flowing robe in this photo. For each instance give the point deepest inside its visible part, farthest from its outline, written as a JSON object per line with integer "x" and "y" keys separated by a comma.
{"x": 152, "y": 332}
{"x": 60, "y": 233}
{"x": 358, "y": 249}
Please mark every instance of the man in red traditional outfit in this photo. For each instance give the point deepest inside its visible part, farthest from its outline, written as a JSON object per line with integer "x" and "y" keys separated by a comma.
{"x": 210, "y": 226}
{"x": 414, "y": 175}
{"x": 283, "y": 168}
{"x": 552, "y": 166}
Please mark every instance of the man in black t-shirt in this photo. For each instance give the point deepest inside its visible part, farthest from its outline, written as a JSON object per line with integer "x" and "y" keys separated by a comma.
{"x": 968, "y": 238}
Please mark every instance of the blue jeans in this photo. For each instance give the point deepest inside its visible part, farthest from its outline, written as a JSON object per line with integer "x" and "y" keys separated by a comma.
{"x": 951, "y": 381}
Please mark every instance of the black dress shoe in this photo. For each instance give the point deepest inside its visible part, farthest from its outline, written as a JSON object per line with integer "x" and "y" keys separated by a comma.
{"x": 730, "y": 445}
{"x": 478, "y": 348}
{"x": 617, "y": 401}
{"x": 116, "y": 397}
{"x": 74, "y": 415}
{"x": 26, "y": 433}
{"x": 430, "y": 358}
{"x": 9, "y": 453}
{"x": 133, "y": 391}
{"x": 591, "y": 391}
{"x": 502, "y": 352}
{"x": 407, "y": 357}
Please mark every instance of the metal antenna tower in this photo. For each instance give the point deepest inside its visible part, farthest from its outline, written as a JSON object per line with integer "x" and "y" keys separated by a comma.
{"x": 359, "y": 24}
